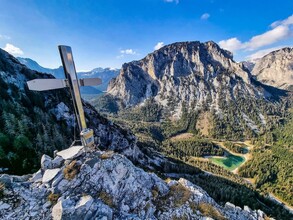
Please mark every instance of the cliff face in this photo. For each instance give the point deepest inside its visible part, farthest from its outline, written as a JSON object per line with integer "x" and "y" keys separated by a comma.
{"x": 104, "y": 185}
{"x": 276, "y": 69}
{"x": 193, "y": 73}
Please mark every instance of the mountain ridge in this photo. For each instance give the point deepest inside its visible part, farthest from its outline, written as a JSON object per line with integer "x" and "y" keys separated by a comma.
{"x": 276, "y": 68}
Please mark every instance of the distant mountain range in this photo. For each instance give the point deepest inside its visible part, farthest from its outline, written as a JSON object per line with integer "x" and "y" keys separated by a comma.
{"x": 106, "y": 74}
{"x": 33, "y": 65}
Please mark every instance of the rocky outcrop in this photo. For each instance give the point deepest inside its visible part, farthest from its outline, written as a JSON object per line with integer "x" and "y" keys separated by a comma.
{"x": 249, "y": 64}
{"x": 192, "y": 73}
{"x": 105, "y": 185}
{"x": 276, "y": 69}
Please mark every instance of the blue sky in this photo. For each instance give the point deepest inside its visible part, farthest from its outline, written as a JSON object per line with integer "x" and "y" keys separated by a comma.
{"x": 108, "y": 33}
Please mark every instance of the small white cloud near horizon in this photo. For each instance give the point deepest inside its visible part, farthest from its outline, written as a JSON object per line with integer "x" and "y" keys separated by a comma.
{"x": 262, "y": 53}
{"x": 205, "y": 16}
{"x": 170, "y": 1}
{"x": 280, "y": 30}
{"x": 128, "y": 52}
{"x": 159, "y": 45}
{"x": 13, "y": 49}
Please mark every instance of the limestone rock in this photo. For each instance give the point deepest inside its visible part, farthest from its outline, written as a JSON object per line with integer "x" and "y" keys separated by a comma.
{"x": 57, "y": 162}
{"x": 110, "y": 187}
{"x": 4, "y": 205}
{"x": 83, "y": 205}
{"x": 71, "y": 152}
{"x": 37, "y": 176}
{"x": 46, "y": 162}
{"x": 276, "y": 68}
{"x": 50, "y": 174}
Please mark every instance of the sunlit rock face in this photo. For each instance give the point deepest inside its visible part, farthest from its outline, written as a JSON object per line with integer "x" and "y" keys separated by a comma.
{"x": 190, "y": 73}
{"x": 276, "y": 69}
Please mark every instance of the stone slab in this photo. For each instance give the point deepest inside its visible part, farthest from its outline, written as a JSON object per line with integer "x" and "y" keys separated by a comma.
{"x": 49, "y": 175}
{"x": 71, "y": 153}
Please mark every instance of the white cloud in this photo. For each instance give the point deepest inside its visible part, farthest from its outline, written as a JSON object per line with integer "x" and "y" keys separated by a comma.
{"x": 231, "y": 44}
{"x": 13, "y": 49}
{"x": 280, "y": 31}
{"x": 176, "y": 1}
{"x": 262, "y": 53}
{"x": 205, "y": 16}
{"x": 128, "y": 52}
{"x": 287, "y": 22}
{"x": 159, "y": 45}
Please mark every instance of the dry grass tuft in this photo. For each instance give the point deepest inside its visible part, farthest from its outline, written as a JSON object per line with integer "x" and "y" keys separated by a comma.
{"x": 155, "y": 192}
{"x": 107, "y": 155}
{"x": 53, "y": 198}
{"x": 183, "y": 217}
{"x": 208, "y": 210}
{"x": 177, "y": 196}
{"x": 168, "y": 180}
{"x": 2, "y": 188}
{"x": 71, "y": 170}
{"x": 193, "y": 206}
{"x": 180, "y": 194}
{"x": 106, "y": 198}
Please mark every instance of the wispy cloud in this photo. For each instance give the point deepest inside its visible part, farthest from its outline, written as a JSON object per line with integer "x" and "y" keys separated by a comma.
{"x": 261, "y": 53}
{"x": 128, "y": 51}
{"x": 205, "y": 16}
{"x": 286, "y": 22}
{"x": 4, "y": 37}
{"x": 170, "y": 1}
{"x": 280, "y": 31}
{"x": 159, "y": 45}
{"x": 13, "y": 49}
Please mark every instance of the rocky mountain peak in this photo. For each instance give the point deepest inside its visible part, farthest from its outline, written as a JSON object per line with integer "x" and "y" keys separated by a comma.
{"x": 276, "y": 68}
{"x": 191, "y": 72}
{"x": 185, "y": 58}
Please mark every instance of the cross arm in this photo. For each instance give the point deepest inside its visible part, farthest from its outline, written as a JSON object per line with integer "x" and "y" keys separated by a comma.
{"x": 46, "y": 84}
{"x": 90, "y": 82}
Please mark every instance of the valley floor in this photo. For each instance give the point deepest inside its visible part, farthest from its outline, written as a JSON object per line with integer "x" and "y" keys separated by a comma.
{"x": 232, "y": 161}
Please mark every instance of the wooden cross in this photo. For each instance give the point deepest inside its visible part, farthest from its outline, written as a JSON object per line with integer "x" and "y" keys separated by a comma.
{"x": 73, "y": 83}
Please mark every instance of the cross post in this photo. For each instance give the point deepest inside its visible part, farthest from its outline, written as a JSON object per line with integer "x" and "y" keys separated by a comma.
{"x": 71, "y": 81}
